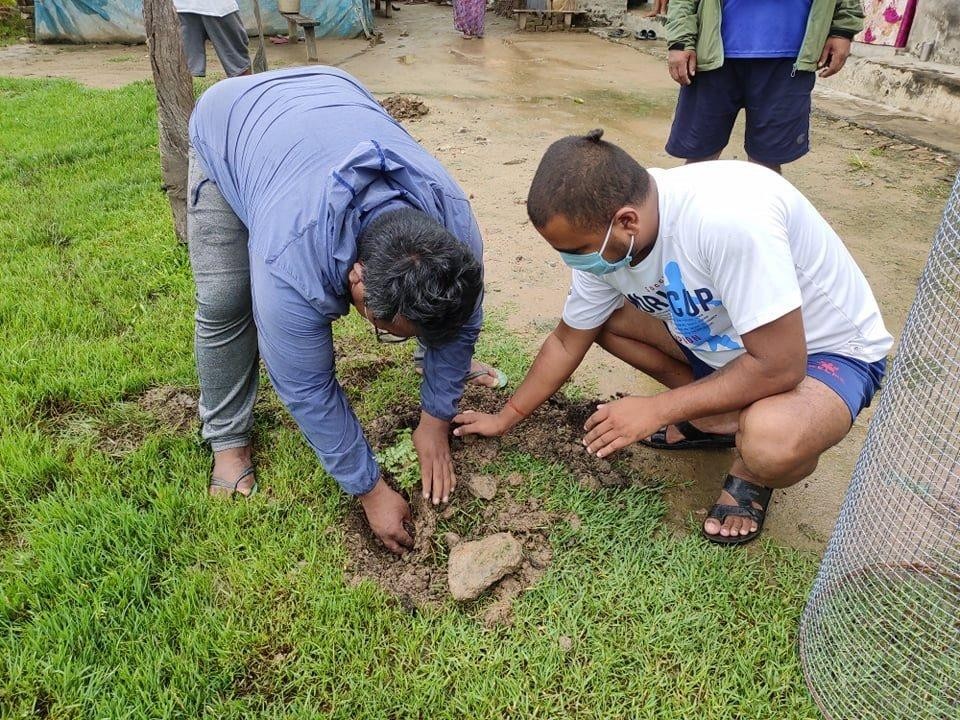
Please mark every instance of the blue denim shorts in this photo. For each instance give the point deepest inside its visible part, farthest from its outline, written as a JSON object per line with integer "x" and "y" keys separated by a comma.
{"x": 855, "y": 381}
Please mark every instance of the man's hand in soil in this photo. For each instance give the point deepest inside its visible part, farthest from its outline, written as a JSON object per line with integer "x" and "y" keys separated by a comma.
{"x": 436, "y": 466}
{"x": 478, "y": 423}
{"x": 386, "y": 512}
{"x": 620, "y": 423}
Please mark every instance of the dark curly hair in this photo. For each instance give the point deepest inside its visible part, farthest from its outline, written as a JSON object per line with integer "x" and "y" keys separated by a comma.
{"x": 414, "y": 268}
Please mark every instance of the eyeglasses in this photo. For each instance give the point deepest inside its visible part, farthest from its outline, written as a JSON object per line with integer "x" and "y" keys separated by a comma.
{"x": 382, "y": 335}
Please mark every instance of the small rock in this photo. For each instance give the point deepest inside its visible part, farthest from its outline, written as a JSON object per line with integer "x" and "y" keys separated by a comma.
{"x": 462, "y": 130}
{"x": 575, "y": 522}
{"x": 863, "y": 182}
{"x": 482, "y": 486}
{"x": 448, "y": 512}
{"x": 517, "y": 161}
{"x": 406, "y": 59}
{"x": 514, "y": 479}
{"x": 565, "y": 643}
{"x": 475, "y": 566}
{"x": 451, "y": 539}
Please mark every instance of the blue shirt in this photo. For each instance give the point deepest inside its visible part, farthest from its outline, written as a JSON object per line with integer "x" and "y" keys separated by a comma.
{"x": 306, "y": 158}
{"x": 763, "y": 28}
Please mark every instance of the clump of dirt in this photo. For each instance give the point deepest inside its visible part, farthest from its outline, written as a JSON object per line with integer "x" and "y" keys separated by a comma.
{"x": 419, "y": 578}
{"x": 119, "y": 429}
{"x": 174, "y": 407}
{"x": 404, "y": 107}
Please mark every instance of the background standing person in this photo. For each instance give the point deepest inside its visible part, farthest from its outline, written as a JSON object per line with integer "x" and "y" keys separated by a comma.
{"x": 658, "y": 8}
{"x": 219, "y": 22}
{"x": 762, "y": 58}
{"x": 468, "y": 16}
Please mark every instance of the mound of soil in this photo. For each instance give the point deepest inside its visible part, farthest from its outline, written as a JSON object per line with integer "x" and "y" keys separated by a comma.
{"x": 174, "y": 407}
{"x": 404, "y": 107}
{"x": 419, "y": 578}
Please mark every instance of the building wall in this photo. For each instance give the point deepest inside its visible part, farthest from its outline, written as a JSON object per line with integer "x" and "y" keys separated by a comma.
{"x": 604, "y": 12}
{"x": 937, "y": 21}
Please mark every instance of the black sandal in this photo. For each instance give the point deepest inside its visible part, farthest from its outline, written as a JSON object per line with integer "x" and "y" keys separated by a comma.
{"x": 745, "y": 494}
{"x": 693, "y": 439}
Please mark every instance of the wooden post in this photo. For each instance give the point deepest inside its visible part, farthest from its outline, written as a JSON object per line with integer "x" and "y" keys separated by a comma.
{"x": 174, "y": 88}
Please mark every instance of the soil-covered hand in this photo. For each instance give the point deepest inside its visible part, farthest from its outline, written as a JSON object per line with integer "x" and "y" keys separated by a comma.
{"x": 620, "y": 423}
{"x": 478, "y": 423}
{"x": 683, "y": 65}
{"x": 436, "y": 466}
{"x": 386, "y": 512}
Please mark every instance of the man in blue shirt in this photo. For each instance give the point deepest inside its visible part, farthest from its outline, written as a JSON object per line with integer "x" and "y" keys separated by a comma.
{"x": 306, "y": 197}
{"x": 756, "y": 55}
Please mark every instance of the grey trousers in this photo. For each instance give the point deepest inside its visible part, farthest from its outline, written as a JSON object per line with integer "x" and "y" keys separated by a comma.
{"x": 226, "y": 337}
{"x": 228, "y": 36}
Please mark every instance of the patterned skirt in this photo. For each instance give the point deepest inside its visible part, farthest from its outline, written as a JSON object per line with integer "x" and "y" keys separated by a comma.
{"x": 468, "y": 16}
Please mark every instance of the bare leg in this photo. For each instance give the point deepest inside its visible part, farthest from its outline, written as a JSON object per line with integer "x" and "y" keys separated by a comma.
{"x": 642, "y": 341}
{"x": 776, "y": 168}
{"x": 715, "y": 156}
{"x": 781, "y": 439}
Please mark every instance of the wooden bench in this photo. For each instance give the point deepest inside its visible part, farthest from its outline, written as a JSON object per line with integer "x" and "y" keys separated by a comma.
{"x": 387, "y": 10}
{"x": 295, "y": 21}
{"x": 522, "y": 16}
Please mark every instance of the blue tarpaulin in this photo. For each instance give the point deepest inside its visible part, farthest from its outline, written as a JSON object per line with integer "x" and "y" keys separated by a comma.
{"x": 121, "y": 21}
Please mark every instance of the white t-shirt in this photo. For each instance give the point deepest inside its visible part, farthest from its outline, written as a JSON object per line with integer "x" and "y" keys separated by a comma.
{"x": 739, "y": 247}
{"x": 214, "y": 8}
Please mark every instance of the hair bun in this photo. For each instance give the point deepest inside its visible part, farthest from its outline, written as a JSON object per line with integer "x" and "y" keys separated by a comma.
{"x": 594, "y": 135}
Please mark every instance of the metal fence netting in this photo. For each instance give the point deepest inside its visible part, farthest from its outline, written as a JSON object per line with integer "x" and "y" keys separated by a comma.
{"x": 880, "y": 635}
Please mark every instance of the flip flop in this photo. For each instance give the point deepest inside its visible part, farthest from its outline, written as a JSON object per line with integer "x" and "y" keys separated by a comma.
{"x": 501, "y": 377}
{"x": 233, "y": 487}
{"x": 693, "y": 439}
{"x": 745, "y": 494}
{"x": 618, "y": 33}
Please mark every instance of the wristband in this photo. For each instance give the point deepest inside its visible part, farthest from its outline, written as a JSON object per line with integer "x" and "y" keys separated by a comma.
{"x": 517, "y": 410}
{"x": 677, "y": 46}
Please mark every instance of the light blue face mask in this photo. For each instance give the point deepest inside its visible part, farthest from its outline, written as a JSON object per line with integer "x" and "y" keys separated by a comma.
{"x": 594, "y": 262}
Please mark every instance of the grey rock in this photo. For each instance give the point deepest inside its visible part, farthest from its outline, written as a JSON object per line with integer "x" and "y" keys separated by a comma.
{"x": 475, "y": 566}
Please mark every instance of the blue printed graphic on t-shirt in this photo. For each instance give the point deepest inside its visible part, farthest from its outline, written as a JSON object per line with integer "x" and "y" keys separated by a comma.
{"x": 686, "y": 308}
{"x": 763, "y": 28}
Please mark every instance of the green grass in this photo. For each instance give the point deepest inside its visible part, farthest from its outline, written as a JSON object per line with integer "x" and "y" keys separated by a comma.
{"x": 126, "y": 593}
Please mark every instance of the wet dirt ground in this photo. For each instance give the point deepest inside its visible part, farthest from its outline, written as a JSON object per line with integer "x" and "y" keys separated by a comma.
{"x": 494, "y": 106}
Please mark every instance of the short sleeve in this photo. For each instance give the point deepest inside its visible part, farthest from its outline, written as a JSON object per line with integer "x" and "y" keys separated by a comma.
{"x": 591, "y": 301}
{"x": 752, "y": 267}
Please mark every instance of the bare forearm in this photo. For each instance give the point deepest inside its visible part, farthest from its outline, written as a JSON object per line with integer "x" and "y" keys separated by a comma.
{"x": 734, "y": 387}
{"x": 552, "y": 367}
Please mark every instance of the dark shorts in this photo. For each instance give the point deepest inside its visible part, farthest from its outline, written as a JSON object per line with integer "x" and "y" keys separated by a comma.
{"x": 855, "y": 381}
{"x": 228, "y": 36}
{"x": 777, "y": 101}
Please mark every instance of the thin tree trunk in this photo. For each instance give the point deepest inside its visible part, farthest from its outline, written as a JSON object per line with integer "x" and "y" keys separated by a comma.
{"x": 174, "y": 103}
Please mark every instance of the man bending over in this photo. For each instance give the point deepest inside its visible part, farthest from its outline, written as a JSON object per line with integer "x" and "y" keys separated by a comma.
{"x": 305, "y": 198}
{"x": 740, "y": 299}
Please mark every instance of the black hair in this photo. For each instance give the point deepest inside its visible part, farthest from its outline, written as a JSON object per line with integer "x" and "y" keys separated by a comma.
{"x": 414, "y": 268}
{"x": 586, "y": 179}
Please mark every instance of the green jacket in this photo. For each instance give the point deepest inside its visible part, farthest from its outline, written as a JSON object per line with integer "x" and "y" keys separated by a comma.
{"x": 696, "y": 24}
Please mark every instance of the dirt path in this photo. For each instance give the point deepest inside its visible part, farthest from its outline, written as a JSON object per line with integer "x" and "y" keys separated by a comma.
{"x": 496, "y": 104}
